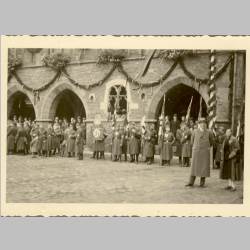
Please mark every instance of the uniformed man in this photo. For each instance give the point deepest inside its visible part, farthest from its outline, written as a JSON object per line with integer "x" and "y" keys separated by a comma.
{"x": 79, "y": 141}
{"x": 175, "y": 124}
{"x": 186, "y": 145}
{"x": 21, "y": 139}
{"x": 71, "y": 141}
{"x": 149, "y": 144}
{"x": 116, "y": 145}
{"x": 166, "y": 151}
{"x": 201, "y": 140}
{"x": 177, "y": 144}
{"x": 58, "y": 136}
{"x": 124, "y": 142}
{"x": 133, "y": 144}
{"x": 219, "y": 138}
{"x": 11, "y": 134}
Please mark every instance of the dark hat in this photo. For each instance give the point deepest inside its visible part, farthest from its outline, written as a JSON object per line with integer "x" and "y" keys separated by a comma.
{"x": 202, "y": 120}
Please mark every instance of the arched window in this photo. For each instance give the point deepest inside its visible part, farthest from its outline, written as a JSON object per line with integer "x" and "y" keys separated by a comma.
{"x": 117, "y": 100}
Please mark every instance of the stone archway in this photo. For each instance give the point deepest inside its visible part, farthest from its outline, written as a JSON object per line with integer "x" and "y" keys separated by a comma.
{"x": 63, "y": 101}
{"x": 20, "y": 103}
{"x": 182, "y": 84}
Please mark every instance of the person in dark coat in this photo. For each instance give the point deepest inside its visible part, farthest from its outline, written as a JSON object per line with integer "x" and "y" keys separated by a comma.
{"x": 63, "y": 145}
{"x": 71, "y": 141}
{"x": 99, "y": 135}
{"x": 116, "y": 145}
{"x": 79, "y": 141}
{"x": 50, "y": 140}
{"x": 186, "y": 145}
{"x": 11, "y": 135}
{"x": 201, "y": 141}
{"x": 133, "y": 144}
{"x": 58, "y": 136}
{"x": 149, "y": 144}
{"x": 229, "y": 168}
{"x": 219, "y": 138}
{"x": 166, "y": 151}
{"x": 21, "y": 139}
{"x": 27, "y": 129}
{"x": 177, "y": 144}
{"x": 34, "y": 134}
{"x": 175, "y": 124}
{"x": 44, "y": 143}
{"x": 124, "y": 138}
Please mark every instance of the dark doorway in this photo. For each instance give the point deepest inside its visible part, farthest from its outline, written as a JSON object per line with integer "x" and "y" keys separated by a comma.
{"x": 20, "y": 105}
{"x": 66, "y": 105}
{"x": 177, "y": 100}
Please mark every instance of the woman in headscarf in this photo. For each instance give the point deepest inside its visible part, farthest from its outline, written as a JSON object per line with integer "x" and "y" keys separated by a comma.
{"x": 229, "y": 168}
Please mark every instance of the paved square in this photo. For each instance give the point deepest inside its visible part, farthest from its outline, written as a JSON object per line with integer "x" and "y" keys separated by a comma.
{"x": 67, "y": 180}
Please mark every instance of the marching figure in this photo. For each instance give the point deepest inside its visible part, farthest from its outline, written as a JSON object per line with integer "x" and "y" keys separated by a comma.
{"x": 133, "y": 144}
{"x": 166, "y": 151}
{"x": 201, "y": 140}
{"x": 186, "y": 145}
{"x": 34, "y": 139}
{"x": 116, "y": 145}
{"x": 229, "y": 168}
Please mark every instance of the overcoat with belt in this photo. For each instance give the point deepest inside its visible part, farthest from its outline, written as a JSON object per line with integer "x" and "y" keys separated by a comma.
{"x": 201, "y": 142}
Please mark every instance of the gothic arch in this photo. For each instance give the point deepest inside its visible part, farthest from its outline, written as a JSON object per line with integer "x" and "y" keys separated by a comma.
{"x": 52, "y": 99}
{"x": 15, "y": 92}
{"x": 151, "y": 111}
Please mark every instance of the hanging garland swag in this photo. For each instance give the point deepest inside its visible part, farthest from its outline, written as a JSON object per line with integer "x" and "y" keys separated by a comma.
{"x": 60, "y": 68}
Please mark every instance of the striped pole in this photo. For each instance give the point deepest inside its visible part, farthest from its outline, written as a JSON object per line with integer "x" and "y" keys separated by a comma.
{"x": 212, "y": 92}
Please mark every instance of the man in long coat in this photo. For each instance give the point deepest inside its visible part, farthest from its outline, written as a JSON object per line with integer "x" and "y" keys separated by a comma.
{"x": 201, "y": 140}
{"x": 11, "y": 134}
{"x": 133, "y": 144}
{"x": 71, "y": 141}
{"x": 21, "y": 139}
{"x": 149, "y": 144}
{"x": 116, "y": 145}
{"x": 186, "y": 145}
{"x": 79, "y": 141}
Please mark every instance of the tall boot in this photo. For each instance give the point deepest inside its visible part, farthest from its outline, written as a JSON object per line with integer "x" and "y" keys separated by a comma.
{"x": 97, "y": 155}
{"x": 125, "y": 155}
{"x": 191, "y": 181}
{"x": 202, "y": 181}
{"x": 94, "y": 155}
{"x": 137, "y": 158}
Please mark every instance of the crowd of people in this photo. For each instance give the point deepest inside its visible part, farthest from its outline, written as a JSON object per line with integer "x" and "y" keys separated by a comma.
{"x": 188, "y": 140}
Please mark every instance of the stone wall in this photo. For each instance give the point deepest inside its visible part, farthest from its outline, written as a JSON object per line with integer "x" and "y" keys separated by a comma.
{"x": 85, "y": 71}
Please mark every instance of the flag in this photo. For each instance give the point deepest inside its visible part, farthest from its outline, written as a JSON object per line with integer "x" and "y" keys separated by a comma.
{"x": 147, "y": 63}
{"x": 189, "y": 109}
{"x": 162, "y": 116}
{"x": 200, "y": 110}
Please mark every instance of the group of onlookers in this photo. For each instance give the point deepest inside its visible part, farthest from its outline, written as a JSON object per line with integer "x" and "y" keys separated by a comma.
{"x": 183, "y": 139}
{"x": 61, "y": 137}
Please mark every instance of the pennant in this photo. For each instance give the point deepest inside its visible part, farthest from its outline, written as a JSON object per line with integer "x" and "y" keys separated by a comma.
{"x": 200, "y": 110}
{"x": 189, "y": 109}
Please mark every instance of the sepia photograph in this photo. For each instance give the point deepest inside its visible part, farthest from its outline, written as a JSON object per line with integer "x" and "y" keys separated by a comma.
{"x": 124, "y": 125}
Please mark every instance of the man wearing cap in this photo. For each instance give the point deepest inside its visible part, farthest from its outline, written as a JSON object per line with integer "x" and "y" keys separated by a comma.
{"x": 175, "y": 124}
{"x": 201, "y": 141}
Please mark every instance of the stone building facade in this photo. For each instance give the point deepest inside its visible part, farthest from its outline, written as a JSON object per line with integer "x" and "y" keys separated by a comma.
{"x": 144, "y": 95}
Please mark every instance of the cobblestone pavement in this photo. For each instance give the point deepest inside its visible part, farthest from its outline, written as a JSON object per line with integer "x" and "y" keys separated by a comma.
{"x": 59, "y": 180}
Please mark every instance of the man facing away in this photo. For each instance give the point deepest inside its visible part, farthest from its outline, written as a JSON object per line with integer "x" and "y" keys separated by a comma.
{"x": 201, "y": 141}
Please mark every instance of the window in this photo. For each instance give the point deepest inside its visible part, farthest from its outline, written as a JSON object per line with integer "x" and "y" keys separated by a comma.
{"x": 117, "y": 100}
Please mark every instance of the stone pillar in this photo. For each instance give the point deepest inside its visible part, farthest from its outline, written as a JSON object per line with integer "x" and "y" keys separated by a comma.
{"x": 238, "y": 87}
